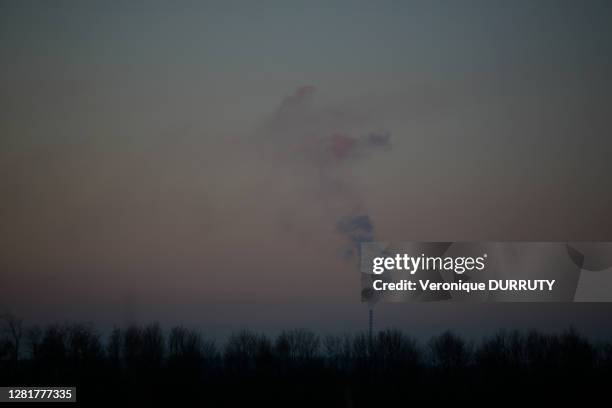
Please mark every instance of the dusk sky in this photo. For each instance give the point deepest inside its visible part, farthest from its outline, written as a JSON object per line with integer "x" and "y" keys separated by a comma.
{"x": 191, "y": 161}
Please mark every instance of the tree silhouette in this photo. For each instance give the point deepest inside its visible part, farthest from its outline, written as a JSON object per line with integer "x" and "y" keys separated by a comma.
{"x": 449, "y": 352}
{"x": 297, "y": 347}
{"x": 394, "y": 351}
{"x": 300, "y": 368}
{"x": 14, "y": 327}
{"x": 247, "y": 351}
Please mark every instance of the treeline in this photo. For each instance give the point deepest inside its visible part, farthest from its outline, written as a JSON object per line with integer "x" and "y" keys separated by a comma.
{"x": 299, "y": 367}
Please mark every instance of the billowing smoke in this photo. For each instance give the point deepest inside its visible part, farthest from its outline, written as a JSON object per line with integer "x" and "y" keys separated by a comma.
{"x": 358, "y": 229}
{"x": 326, "y": 140}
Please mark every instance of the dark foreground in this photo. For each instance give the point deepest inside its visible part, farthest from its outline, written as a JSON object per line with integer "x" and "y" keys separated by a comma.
{"x": 300, "y": 368}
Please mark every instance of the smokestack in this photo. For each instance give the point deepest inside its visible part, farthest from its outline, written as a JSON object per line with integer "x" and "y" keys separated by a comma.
{"x": 370, "y": 325}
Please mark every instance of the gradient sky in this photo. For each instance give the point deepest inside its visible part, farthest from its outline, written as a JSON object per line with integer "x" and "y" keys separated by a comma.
{"x": 149, "y": 170}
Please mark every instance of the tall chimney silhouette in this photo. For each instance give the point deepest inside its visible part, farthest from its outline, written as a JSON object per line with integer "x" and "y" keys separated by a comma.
{"x": 370, "y": 324}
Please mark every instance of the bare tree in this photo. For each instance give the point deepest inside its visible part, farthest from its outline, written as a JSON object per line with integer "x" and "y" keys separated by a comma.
{"x": 337, "y": 351}
{"x": 34, "y": 340}
{"x": 131, "y": 346}
{"x": 83, "y": 344}
{"x": 13, "y": 325}
{"x": 450, "y": 352}
{"x": 113, "y": 348}
{"x": 502, "y": 351}
{"x": 394, "y": 351}
{"x": 298, "y": 346}
{"x": 153, "y": 345}
{"x": 247, "y": 351}
{"x": 185, "y": 344}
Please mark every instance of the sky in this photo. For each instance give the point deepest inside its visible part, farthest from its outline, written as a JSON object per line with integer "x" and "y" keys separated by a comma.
{"x": 191, "y": 162}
